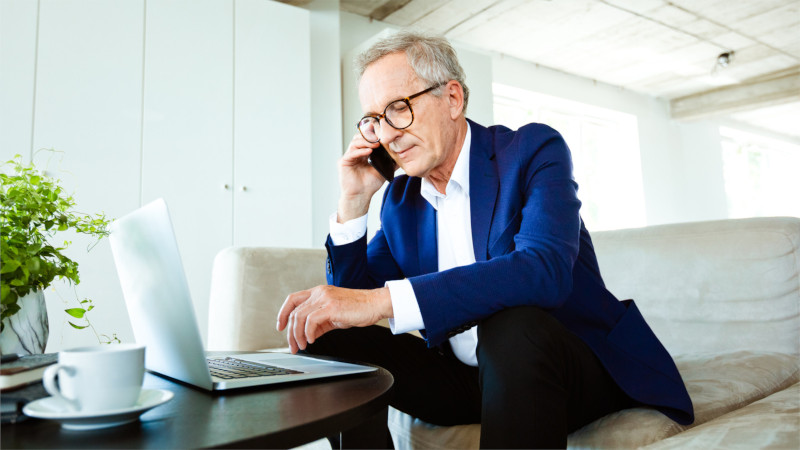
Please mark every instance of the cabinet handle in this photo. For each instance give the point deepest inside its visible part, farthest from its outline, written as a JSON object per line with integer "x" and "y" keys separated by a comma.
{"x": 244, "y": 188}
{"x": 225, "y": 186}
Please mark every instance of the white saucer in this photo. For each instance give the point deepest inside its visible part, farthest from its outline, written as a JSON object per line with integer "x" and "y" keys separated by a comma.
{"x": 55, "y": 409}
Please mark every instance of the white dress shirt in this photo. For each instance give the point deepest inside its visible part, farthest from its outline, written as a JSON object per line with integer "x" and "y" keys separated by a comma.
{"x": 454, "y": 247}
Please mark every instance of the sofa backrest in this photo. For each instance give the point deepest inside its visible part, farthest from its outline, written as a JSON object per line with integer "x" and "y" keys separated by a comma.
{"x": 248, "y": 287}
{"x": 711, "y": 286}
{"x": 703, "y": 287}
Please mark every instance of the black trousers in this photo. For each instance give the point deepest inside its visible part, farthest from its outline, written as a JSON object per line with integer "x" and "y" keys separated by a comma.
{"x": 535, "y": 381}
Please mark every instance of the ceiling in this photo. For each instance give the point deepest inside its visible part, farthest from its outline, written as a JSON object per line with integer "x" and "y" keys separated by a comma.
{"x": 661, "y": 48}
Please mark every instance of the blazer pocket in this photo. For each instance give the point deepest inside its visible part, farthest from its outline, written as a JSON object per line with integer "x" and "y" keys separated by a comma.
{"x": 504, "y": 243}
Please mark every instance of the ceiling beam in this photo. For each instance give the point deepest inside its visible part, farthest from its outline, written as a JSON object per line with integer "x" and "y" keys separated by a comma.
{"x": 753, "y": 94}
{"x": 300, "y": 3}
{"x": 387, "y": 9}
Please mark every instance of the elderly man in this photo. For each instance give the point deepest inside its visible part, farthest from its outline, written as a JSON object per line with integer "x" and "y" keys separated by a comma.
{"x": 482, "y": 248}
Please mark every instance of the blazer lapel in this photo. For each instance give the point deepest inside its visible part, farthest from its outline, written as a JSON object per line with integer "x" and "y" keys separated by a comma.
{"x": 483, "y": 187}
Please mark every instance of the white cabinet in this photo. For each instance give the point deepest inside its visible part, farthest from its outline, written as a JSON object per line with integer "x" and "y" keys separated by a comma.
{"x": 203, "y": 102}
{"x": 226, "y": 128}
{"x": 88, "y": 96}
{"x": 187, "y": 137}
{"x": 17, "y": 65}
{"x": 272, "y": 126}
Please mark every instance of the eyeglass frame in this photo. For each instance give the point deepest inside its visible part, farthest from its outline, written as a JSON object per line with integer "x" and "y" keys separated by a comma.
{"x": 407, "y": 101}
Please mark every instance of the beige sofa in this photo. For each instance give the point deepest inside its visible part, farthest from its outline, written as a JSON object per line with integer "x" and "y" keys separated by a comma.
{"x": 723, "y": 296}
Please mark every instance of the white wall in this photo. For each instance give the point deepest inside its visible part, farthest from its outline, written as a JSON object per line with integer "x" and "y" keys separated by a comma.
{"x": 18, "y": 21}
{"x": 86, "y": 104}
{"x": 681, "y": 163}
{"x": 326, "y": 113}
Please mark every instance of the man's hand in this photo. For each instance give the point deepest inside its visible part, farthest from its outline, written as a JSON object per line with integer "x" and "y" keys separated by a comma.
{"x": 307, "y": 315}
{"x": 359, "y": 181}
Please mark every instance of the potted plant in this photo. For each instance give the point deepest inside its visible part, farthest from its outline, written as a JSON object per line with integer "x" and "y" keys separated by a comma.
{"x": 34, "y": 208}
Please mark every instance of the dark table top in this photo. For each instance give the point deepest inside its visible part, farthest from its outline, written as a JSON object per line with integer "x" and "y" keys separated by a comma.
{"x": 277, "y": 416}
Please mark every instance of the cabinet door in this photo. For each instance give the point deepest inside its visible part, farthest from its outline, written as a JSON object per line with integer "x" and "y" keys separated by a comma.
{"x": 17, "y": 65}
{"x": 88, "y": 106}
{"x": 188, "y": 129}
{"x": 272, "y": 131}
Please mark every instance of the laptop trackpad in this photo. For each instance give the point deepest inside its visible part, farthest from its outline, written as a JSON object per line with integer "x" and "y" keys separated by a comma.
{"x": 281, "y": 359}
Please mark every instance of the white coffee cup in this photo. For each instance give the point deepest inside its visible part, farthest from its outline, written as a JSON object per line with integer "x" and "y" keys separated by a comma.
{"x": 99, "y": 378}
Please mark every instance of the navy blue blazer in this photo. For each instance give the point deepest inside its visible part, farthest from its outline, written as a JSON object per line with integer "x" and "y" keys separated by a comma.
{"x": 531, "y": 248}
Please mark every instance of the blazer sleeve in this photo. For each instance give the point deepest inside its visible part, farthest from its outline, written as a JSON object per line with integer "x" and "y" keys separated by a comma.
{"x": 537, "y": 268}
{"x": 359, "y": 265}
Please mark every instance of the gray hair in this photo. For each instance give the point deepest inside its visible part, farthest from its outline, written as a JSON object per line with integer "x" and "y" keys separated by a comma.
{"x": 431, "y": 57}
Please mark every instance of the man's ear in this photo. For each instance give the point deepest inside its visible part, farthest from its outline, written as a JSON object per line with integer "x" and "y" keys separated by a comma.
{"x": 454, "y": 93}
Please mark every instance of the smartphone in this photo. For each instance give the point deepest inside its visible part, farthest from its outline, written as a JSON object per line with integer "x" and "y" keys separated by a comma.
{"x": 382, "y": 162}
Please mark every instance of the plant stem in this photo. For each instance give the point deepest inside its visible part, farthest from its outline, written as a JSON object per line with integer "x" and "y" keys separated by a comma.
{"x": 88, "y": 322}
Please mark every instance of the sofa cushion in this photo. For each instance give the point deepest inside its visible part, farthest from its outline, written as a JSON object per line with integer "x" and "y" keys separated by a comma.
{"x": 718, "y": 384}
{"x": 772, "y": 422}
{"x": 409, "y": 432}
{"x": 711, "y": 286}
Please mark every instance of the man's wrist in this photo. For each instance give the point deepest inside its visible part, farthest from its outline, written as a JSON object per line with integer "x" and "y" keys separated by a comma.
{"x": 405, "y": 308}
{"x": 348, "y": 232}
{"x": 384, "y": 299}
{"x": 352, "y": 208}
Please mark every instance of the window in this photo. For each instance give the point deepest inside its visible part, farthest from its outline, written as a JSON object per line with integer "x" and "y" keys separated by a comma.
{"x": 761, "y": 175}
{"x": 605, "y": 152}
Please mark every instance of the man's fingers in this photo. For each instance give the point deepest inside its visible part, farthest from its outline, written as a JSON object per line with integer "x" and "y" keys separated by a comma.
{"x": 358, "y": 149}
{"x": 300, "y": 318}
{"x": 289, "y": 335}
{"x": 356, "y": 157}
{"x": 309, "y": 314}
{"x": 289, "y": 305}
{"x": 298, "y": 331}
{"x": 317, "y": 324}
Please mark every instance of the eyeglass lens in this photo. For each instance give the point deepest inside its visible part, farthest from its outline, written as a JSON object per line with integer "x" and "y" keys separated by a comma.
{"x": 398, "y": 114}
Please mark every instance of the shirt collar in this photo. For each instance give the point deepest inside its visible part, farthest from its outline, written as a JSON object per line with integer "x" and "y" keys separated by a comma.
{"x": 459, "y": 177}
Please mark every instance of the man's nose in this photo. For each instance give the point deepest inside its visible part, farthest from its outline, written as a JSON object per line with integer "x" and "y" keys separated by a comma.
{"x": 388, "y": 133}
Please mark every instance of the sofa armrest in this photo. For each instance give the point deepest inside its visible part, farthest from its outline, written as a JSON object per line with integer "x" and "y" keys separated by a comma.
{"x": 248, "y": 287}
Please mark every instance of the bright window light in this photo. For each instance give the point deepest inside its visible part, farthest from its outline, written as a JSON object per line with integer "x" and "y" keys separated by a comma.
{"x": 605, "y": 152}
{"x": 761, "y": 175}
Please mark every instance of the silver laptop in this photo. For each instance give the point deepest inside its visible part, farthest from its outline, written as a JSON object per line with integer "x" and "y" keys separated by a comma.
{"x": 160, "y": 307}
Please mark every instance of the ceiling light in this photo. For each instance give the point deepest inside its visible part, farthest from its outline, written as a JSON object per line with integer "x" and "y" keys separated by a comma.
{"x": 723, "y": 60}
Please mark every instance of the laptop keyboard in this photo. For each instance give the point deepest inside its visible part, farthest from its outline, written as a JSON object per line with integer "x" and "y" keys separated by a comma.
{"x": 230, "y": 368}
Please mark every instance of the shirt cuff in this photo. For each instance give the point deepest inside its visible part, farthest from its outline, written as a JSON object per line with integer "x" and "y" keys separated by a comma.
{"x": 348, "y": 232}
{"x": 407, "y": 316}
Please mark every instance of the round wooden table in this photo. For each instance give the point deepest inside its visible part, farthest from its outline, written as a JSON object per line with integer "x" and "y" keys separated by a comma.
{"x": 277, "y": 416}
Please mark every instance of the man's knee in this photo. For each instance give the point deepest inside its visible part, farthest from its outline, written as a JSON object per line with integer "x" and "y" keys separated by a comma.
{"x": 524, "y": 333}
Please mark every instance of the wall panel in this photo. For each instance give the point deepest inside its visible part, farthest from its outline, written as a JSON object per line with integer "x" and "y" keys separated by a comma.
{"x": 272, "y": 125}
{"x": 88, "y": 106}
{"x": 17, "y": 66}
{"x": 188, "y": 129}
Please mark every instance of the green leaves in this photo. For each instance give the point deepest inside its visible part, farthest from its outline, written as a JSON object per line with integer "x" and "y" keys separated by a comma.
{"x": 76, "y": 312}
{"x": 33, "y": 208}
{"x": 9, "y": 266}
{"x": 80, "y": 313}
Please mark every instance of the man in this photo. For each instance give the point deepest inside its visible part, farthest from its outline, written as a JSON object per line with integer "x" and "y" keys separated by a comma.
{"x": 482, "y": 247}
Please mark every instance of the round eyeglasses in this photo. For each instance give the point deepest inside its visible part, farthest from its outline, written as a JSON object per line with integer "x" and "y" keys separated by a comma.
{"x": 398, "y": 114}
